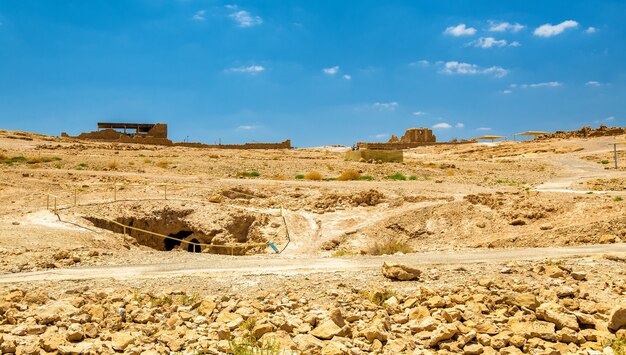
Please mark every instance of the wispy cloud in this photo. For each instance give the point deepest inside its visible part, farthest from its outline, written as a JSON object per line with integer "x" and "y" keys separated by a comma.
{"x": 331, "y": 71}
{"x": 505, "y": 26}
{"x": 442, "y": 125}
{"x": 591, "y": 30}
{"x": 507, "y": 92}
{"x": 459, "y": 125}
{"x": 347, "y": 76}
{"x": 489, "y": 42}
{"x": 549, "y": 84}
{"x": 549, "y": 30}
{"x": 386, "y": 106}
{"x": 382, "y": 135}
{"x": 199, "y": 15}
{"x": 246, "y": 128}
{"x": 483, "y": 129}
{"x": 243, "y": 18}
{"x": 460, "y": 30}
{"x": 419, "y": 113}
{"x": 593, "y": 83}
{"x": 460, "y": 68}
{"x": 247, "y": 69}
{"x": 422, "y": 63}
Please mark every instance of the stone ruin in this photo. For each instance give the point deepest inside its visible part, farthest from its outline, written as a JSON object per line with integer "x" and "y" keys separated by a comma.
{"x": 156, "y": 133}
{"x": 412, "y": 138}
{"x": 147, "y": 133}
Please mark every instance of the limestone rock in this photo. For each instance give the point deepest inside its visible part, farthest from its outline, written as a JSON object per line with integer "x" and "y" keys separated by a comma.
{"x": 443, "y": 332}
{"x": 400, "y": 272}
{"x": 326, "y": 330}
{"x": 617, "y": 318}
{"x": 122, "y": 340}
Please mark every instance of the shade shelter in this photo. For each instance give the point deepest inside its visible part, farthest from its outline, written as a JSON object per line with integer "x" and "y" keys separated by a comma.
{"x": 488, "y": 138}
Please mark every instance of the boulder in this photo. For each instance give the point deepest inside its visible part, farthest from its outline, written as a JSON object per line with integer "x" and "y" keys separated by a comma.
{"x": 400, "y": 272}
{"x": 617, "y": 318}
{"x": 326, "y": 330}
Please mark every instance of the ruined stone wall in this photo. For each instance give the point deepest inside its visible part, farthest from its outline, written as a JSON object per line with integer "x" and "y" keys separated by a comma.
{"x": 282, "y": 145}
{"x": 395, "y": 156}
{"x": 393, "y": 146}
{"x": 158, "y": 131}
{"x": 418, "y": 135}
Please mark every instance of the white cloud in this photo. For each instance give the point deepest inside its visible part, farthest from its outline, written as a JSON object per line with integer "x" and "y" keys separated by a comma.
{"x": 549, "y": 30}
{"x": 382, "y": 135}
{"x": 483, "y": 129}
{"x": 593, "y": 83}
{"x": 247, "y": 128}
{"x": 347, "y": 76}
{"x": 199, "y": 16}
{"x": 243, "y": 18}
{"x": 488, "y": 42}
{"x": 442, "y": 125}
{"x": 332, "y": 70}
{"x": 608, "y": 119}
{"x": 419, "y": 113}
{"x": 514, "y": 44}
{"x": 422, "y": 63}
{"x": 506, "y": 92}
{"x": 247, "y": 69}
{"x": 460, "y": 30}
{"x": 386, "y": 106}
{"x": 459, "y": 125}
{"x": 549, "y": 84}
{"x": 505, "y": 26}
{"x": 591, "y": 30}
{"x": 454, "y": 67}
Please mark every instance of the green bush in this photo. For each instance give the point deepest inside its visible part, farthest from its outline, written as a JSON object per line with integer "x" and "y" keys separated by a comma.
{"x": 397, "y": 177}
{"x": 617, "y": 198}
{"x": 299, "y": 177}
{"x": 412, "y": 177}
{"x": 366, "y": 177}
{"x": 604, "y": 161}
{"x": 249, "y": 174}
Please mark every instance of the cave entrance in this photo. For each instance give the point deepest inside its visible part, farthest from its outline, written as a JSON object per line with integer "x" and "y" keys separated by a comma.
{"x": 194, "y": 248}
{"x": 170, "y": 244}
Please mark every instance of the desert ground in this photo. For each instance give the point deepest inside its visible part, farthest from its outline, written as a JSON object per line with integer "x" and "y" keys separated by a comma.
{"x": 507, "y": 247}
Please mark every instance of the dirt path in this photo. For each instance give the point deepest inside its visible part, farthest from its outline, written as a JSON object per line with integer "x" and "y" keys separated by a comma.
{"x": 209, "y": 265}
{"x": 574, "y": 170}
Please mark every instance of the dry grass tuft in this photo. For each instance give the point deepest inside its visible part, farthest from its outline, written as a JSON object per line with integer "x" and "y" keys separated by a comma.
{"x": 163, "y": 164}
{"x": 389, "y": 248}
{"x": 349, "y": 175}
{"x": 313, "y": 175}
{"x": 112, "y": 165}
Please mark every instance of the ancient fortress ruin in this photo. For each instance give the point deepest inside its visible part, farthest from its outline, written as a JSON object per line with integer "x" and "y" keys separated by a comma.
{"x": 412, "y": 138}
{"x": 156, "y": 133}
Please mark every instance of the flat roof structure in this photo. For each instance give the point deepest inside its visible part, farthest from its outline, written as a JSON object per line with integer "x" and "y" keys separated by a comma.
{"x": 139, "y": 127}
{"x": 488, "y": 138}
{"x": 532, "y": 133}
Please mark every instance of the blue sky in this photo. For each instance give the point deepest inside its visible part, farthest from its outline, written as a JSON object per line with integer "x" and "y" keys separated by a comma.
{"x": 318, "y": 72}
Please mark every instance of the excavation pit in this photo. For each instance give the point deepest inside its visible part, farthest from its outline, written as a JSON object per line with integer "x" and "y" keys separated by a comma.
{"x": 180, "y": 228}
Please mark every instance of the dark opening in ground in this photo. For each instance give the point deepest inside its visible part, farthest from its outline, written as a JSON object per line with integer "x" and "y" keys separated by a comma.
{"x": 194, "y": 248}
{"x": 170, "y": 244}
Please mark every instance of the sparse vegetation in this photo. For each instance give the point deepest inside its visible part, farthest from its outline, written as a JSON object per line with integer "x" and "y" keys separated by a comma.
{"x": 339, "y": 253}
{"x": 390, "y": 247}
{"x": 81, "y": 166}
{"x": 618, "y": 345}
{"x": 163, "y": 164}
{"x": 248, "y": 324}
{"x": 366, "y": 177}
{"x": 412, "y": 177}
{"x": 112, "y": 165}
{"x": 313, "y": 175}
{"x": 397, "y": 177}
{"x": 250, "y": 346}
{"x": 249, "y": 174}
{"x": 551, "y": 262}
{"x": 378, "y": 296}
{"x": 13, "y": 160}
{"x": 618, "y": 198}
{"x": 604, "y": 161}
{"x": 299, "y": 177}
{"x": 349, "y": 175}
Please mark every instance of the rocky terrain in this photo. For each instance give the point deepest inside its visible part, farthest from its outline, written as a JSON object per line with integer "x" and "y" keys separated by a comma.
{"x": 336, "y": 223}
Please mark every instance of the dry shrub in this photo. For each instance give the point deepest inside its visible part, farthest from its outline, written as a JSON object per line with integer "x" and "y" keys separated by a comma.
{"x": 112, "y": 165}
{"x": 313, "y": 175}
{"x": 349, "y": 175}
{"x": 163, "y": 164}
{"x": 389, "y": 248}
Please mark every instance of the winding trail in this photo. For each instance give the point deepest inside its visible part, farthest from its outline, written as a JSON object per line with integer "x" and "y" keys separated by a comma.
{"x": 216, "y": 265}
